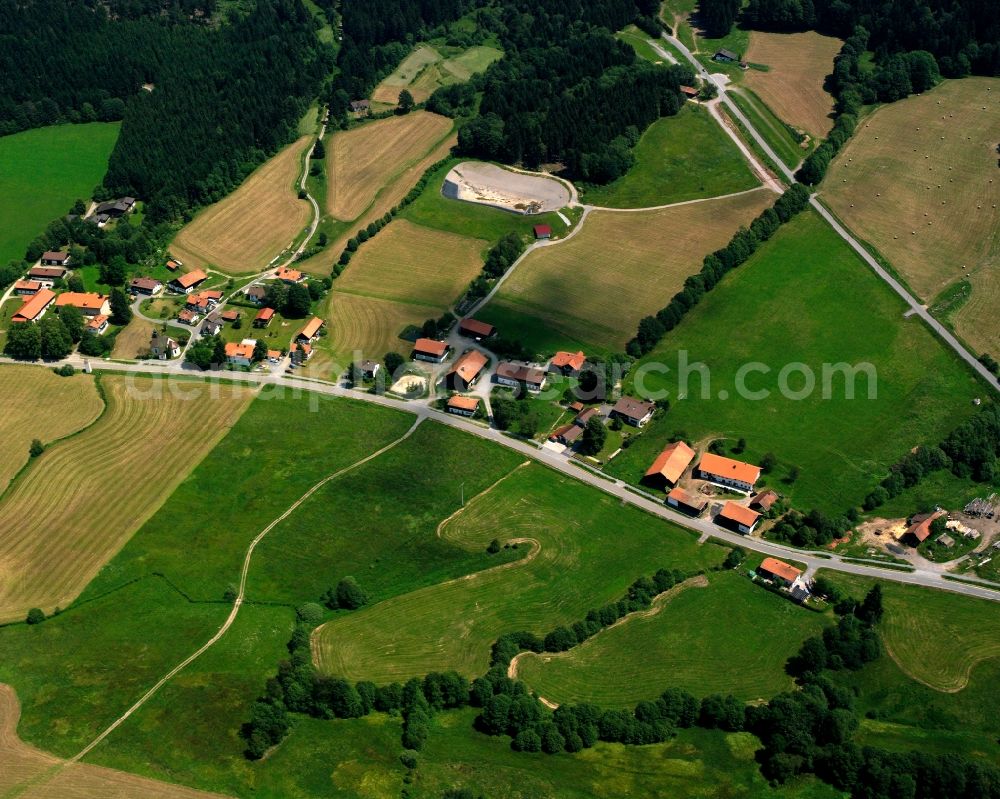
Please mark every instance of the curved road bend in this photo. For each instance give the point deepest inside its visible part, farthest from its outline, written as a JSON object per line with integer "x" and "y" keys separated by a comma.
{"x": 915, "y": 306}
{"x": 560, "y": 463}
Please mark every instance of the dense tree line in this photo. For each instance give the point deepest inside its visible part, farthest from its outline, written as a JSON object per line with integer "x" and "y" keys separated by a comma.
{"x": 963, "y": 35}
{"x": 812, "y": 529}
{"x": 639, "y": 597}
{"x": 297, "y": 688}
{"x": 717, "y": 16}
{"x": 373, "y": 228}
{"x": 225, "y": 96}
{"x": 853, "y": 85}
{"x": 810, "y": 731}
{"x": 568, "y": 91}
{"x": 971, "y": 451}
{"x": 715, "y": 266}
{"x": 112, "y": 248}
{"x": 499, "y": 259}
{"x": 807, "y": 731}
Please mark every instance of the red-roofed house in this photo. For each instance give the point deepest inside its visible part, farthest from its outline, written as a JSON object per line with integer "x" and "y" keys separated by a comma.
{"x": 428, "y": 349}
{"x": 543, "y": 232}
{"x": 309, "y": 333}
{"x": 97, "y": 325}
{"x": 263, "y": 317}
{"x": 669, "y": 465}
{"x": 685, "y": 502}
{"x": 286, "y": 275}
{"x": 764, "y": 501}
{"x": 567, "y": 363}
{"x": 920, "y": 525}
{"x": 738, "y": 518}
{"x": 240, "y": 354}
{"x": 186, "y": 283}
{"x": 473, "y": 328}
{"x": 463, "y": 406}
{"x": 89, "y": 303}
{"x": 778, "y": 571}
{"x": 728, "y": 472}
{"x": 466, "y": 371}
{"x": 35, "y": 306}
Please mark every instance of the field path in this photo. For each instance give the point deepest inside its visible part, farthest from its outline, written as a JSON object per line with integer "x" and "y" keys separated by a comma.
{"x": 30, "y": 773}
{"x": 237, "y": 604}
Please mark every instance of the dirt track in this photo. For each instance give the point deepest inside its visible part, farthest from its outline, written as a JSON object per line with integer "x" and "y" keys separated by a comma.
{"x": 29, "y": 773}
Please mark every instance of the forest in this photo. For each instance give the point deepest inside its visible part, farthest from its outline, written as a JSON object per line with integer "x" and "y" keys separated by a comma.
{"x": 220, "y": 98}
{"x": 567, "y": 91}
{"x": 963, "y": 35}
{"x": 56, "y": 57}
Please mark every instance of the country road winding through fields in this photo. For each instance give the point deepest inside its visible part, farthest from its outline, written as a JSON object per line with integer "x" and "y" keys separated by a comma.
{"x": 915, "y": 307}
{"x": 624, "y": 493}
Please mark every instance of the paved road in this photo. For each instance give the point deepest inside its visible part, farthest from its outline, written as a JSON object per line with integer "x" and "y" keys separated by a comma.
{"x": 914, "y": 305}
{"x": 560, "y": 463}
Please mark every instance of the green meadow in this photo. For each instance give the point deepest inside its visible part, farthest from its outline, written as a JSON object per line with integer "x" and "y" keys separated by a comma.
{"x": 684, "y": 157}
{"x": 43, "y": 172}
{"x": 934, "y": 689}
{"x": 578, "y": 559}
{"x": 803, "y": 298}
{"x": 280, "y": 448}
{"x": 649, "y": 652}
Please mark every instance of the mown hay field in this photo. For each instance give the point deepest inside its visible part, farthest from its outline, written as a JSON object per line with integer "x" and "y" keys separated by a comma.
{"x": 39, "y": 775}
{"x": 575, "y": 562}
{"x": 245, "y": 231}
{"x": 793, "y": 87}
{"x": 388, "y": 197}
{"x": 369, "y": 326}
{"x": 622, "y": 266}
{"x": 425, "y": 70}
{"x": 405, "y": 74}
{"x": 936, "y": 637}
{"x": 919, "y": 181}
{"x": 39, "y": 404}
{"x": 361, "y": 162}
{"x": 134, "y": 339}
{"x": 83, "y": 499}
{"x": 648, "y": 652}
{"x": 409, "y": 263}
